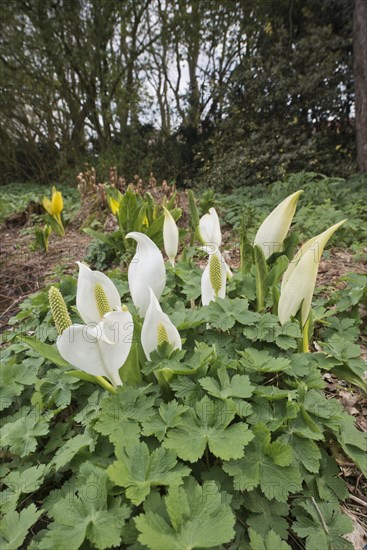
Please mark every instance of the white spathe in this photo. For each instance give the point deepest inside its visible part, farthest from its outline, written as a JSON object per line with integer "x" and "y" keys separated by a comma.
{"x": 102, "y": 349}
{"x": 154, "y": 319}
{"x": 170, "y": 236}
{"x": 209, "y": 228}
{"x": 146, "y": 270}
{"x": 274, "y": 229}
{"x": 85, "y": 298}
{"x": 299, "y": 280}
{"x": 208, "y": 293}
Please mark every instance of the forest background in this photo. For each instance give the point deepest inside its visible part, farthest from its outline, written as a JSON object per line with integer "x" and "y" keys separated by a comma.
{"x": 221, "y": 93}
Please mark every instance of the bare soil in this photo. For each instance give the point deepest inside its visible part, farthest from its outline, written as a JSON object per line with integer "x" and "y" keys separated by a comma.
{"x": 24, "y": 271}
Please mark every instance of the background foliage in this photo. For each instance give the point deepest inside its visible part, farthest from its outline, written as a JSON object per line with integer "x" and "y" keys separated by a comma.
{"x": 222, "y": 92}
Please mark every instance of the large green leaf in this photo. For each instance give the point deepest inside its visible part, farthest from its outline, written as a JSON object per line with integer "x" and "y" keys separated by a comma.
{"x": 47, "y": 351}
{"x": 188, "y": 517}
{"x": 138, "y": 470}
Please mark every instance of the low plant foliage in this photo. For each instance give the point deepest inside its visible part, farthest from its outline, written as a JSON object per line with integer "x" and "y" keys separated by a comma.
{"x": 227, "y": 443}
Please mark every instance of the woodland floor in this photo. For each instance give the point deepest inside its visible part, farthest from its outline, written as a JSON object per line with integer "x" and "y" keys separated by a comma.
{"x": 24, "y": 272}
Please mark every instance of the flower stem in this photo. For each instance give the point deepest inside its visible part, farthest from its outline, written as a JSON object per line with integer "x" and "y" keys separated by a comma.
{"x": 305, "y": 336}
{"x": 106, "y": 385}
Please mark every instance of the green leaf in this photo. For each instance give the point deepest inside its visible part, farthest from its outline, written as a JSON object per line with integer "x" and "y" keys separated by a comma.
{"x": 271, "y": 541}
{"x": 347, "y": 363}
{"x": 269, "y": 330}
{"x": 315, "y": 403}
{"x": 352, "y": 441}
{"x": 261, "y": 274}
{"x": 130, "y": 372}
{"x": 262, "y": 361}
{"x": 290, "y": 243}
{"x": 188, "y": 517}
{"x": 344, "y": 372}
{"x": 341, "y": 348}
{"x": 322, "y": 525}
{"x": 225, "y": 312}
{"x": 121, "y": 412}
{"x": 190, "y": 280}
{"x": 89, "y": 514}
{"x": 185, "y": 318}
{"x": 194, "y": 216}
{"x": 328, "y": 483}
{"x": 21, "y": 482}
{"x": 242, "y": 286}
{"x": 138, "y": 470}
{"x": 56, "y": 388}
{"x": 45, "y": 350}
{"x": 73, "y": 445}
{"x": 336, "y": 327}
{"x": 272, "y": 414}
{"x": 266, "y": 514}
{"x": 21, "y": 436}
{"x": 236, "y": 386}
{"x": 14, "y": 527}
{"x": 199, "y": 361}
{"x": 186, "y": 389}
{"x": 305, "y": 427}
{"x": 208, "y": 424}
{"x": 170, "y": 416}
{"x": 273, "y": 393}
{"x": 353, "y": 293}
{"x": 305, "y": 450}
{"x": 13, "y": 378}
{"x": 266, "y": 465}
{"x": 246, "y": 248}
{"x": 276, "y": 271}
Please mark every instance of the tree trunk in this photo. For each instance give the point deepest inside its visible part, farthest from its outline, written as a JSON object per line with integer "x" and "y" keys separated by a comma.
{"x": 360, "y": 80}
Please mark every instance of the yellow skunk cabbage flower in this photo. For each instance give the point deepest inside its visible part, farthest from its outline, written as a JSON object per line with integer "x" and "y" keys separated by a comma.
{"x": 170, "y": 236}
{"x": 299, "y": 280}
{"x": 114, "y": 205}
{"x": 54, "y": 206}
{"x": 274, "y": 229}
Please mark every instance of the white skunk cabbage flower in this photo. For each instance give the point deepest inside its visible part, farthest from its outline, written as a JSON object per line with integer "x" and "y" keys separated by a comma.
{"x": 157, "y": 328}
{"x": 299, "y": 280}
{"x": 210, "y": 234}
{"x": 146, "y": 270}
{"x": 101, "y": 349}
{"x": 95, "y": 295}
{"x": 274, "y": 229}
{"x": 209, "y": 228}
{"x": 213, "y": 279}
{"x": 170, "y": 236}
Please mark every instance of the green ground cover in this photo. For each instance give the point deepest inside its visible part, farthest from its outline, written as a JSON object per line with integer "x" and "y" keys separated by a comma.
{"x": 230, "y": 443}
